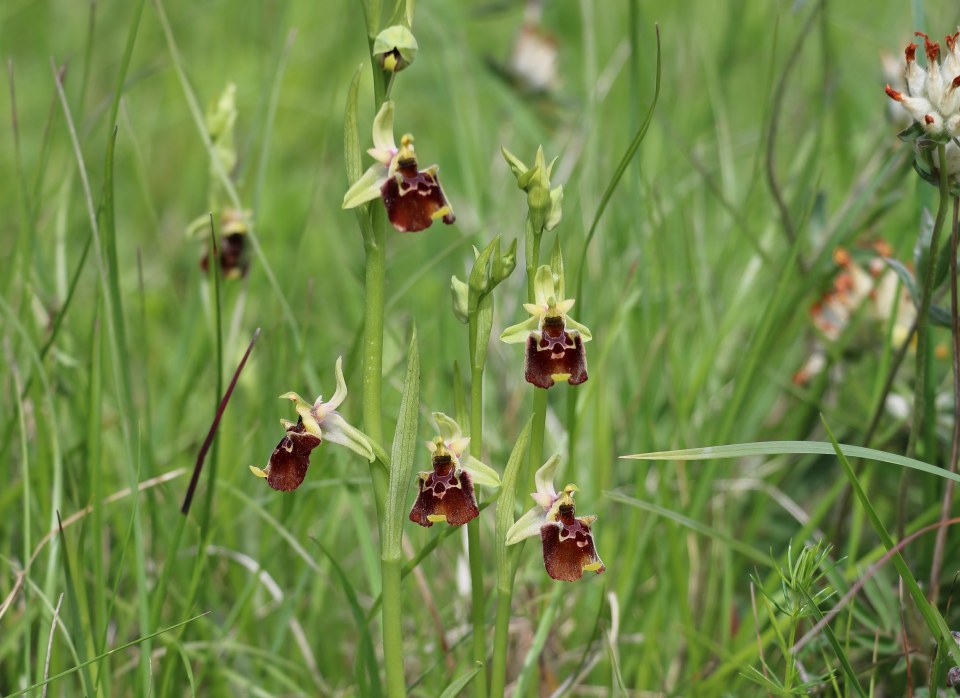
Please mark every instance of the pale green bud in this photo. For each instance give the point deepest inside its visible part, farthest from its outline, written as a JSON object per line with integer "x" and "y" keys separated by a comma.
{"x": 395, "y": 48}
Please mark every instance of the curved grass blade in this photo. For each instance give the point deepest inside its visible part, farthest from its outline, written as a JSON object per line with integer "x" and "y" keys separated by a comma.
{"x": 779, "y": 448}
{"x": 108, "y": 653}
{"x": 461, "y": 682}
{"x": 618, "y": 173}
{"x": 693, "y": 525}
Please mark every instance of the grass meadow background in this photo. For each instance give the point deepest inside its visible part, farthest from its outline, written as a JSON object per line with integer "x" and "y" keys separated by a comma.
{"x": 697, "y": 301}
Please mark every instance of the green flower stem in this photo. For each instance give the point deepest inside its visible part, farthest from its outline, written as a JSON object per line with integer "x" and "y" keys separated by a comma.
{"x": 537, "y": 433}
{"x": 375, "y": 248}
{"x": 920, "y": 377}
{"x": 532, "y": 256}
{"x": 501, "y": 633}
{"x": 925, "y": 298}
{"x": 391, "y": 571}
{"x": 473, "y": 534}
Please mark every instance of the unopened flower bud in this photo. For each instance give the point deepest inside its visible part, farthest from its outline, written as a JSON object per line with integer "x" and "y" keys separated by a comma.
{"x": 395, "y": 48}
{"x": 461, "y": 294}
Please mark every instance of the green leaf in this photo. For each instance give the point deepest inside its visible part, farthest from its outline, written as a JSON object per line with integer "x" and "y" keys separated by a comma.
{"x": 506, "y": 503}
{"x": 912, "y": 133}
{"x": 104, "y": 655}
{"x": 556, "y": 264}
{"x": 940, "y": 317}
{"x": 461, "y": 682}
{"x": 835, "y": 645}
{"x": 402, "y": 456}
{"x": 906, "y": 277}
{"x": 351, "y": 130}
{"x": 779, "y": 448}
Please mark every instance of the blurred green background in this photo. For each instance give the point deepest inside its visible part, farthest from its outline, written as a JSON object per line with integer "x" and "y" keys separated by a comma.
{"x": 699, "y": 314}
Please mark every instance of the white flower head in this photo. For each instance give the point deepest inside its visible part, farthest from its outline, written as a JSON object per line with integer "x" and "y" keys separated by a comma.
{"x": 932, "y": 96}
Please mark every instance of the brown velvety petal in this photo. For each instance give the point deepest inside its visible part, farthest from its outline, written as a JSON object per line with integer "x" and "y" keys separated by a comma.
{"x": 291, "y": 458}
{"x": 553, "y": 354}
{"x": 567, "y": 548}
{"x": 442, "y": 493}
{"x": 412, "y": 198}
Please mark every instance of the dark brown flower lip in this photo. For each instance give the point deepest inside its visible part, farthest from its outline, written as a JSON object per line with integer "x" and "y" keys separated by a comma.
{"x": 551, "y": 356}
{"x": 444, "y": 494}
{"x": 568, "y": 547}
{"x": 413, "y": 198}
{"x": 291, "y": 458}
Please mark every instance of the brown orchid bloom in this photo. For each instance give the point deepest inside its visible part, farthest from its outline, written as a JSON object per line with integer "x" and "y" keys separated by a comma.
{"x": 554, "y": 340}
{"x": 568, "y": 548}
{"x": 317, "y": 422}
{"x": 413, "y": 197}
{"x": 446, "y": 494}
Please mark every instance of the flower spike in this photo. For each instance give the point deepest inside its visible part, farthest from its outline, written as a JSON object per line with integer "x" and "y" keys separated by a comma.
{"x": 316, "y": 422}
{"x": 413, "y": 197}
{"x": 568, "y": 548}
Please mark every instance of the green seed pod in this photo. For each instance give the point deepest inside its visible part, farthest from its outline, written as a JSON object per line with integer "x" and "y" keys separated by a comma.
{"x": 395, "y": 48}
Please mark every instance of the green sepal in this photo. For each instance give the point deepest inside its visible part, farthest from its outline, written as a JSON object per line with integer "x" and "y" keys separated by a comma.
{"x": 365, "y": 189}
{"x": 479, "y": 280}
{"x": 515, "y": 163}
{"x": 585, "y": 334}
{"x": 526, "y": 526}
{"x": 460, "y": 294}
{"x": 912, "y": 133}
{"x": 480, "y": 473}
{"x": 504, "y": 264}
{"x": 447, "y": 426}
{"x": 517, "y": 334}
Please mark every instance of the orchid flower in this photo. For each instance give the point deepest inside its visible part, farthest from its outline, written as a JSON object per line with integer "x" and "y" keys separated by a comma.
{"x": 554, "y": 339}
{"x": 446, "y": 493}
{"x": 568, "y": 548}
{"x": 413, "y": 198}
{"x": 316, "y": 423}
